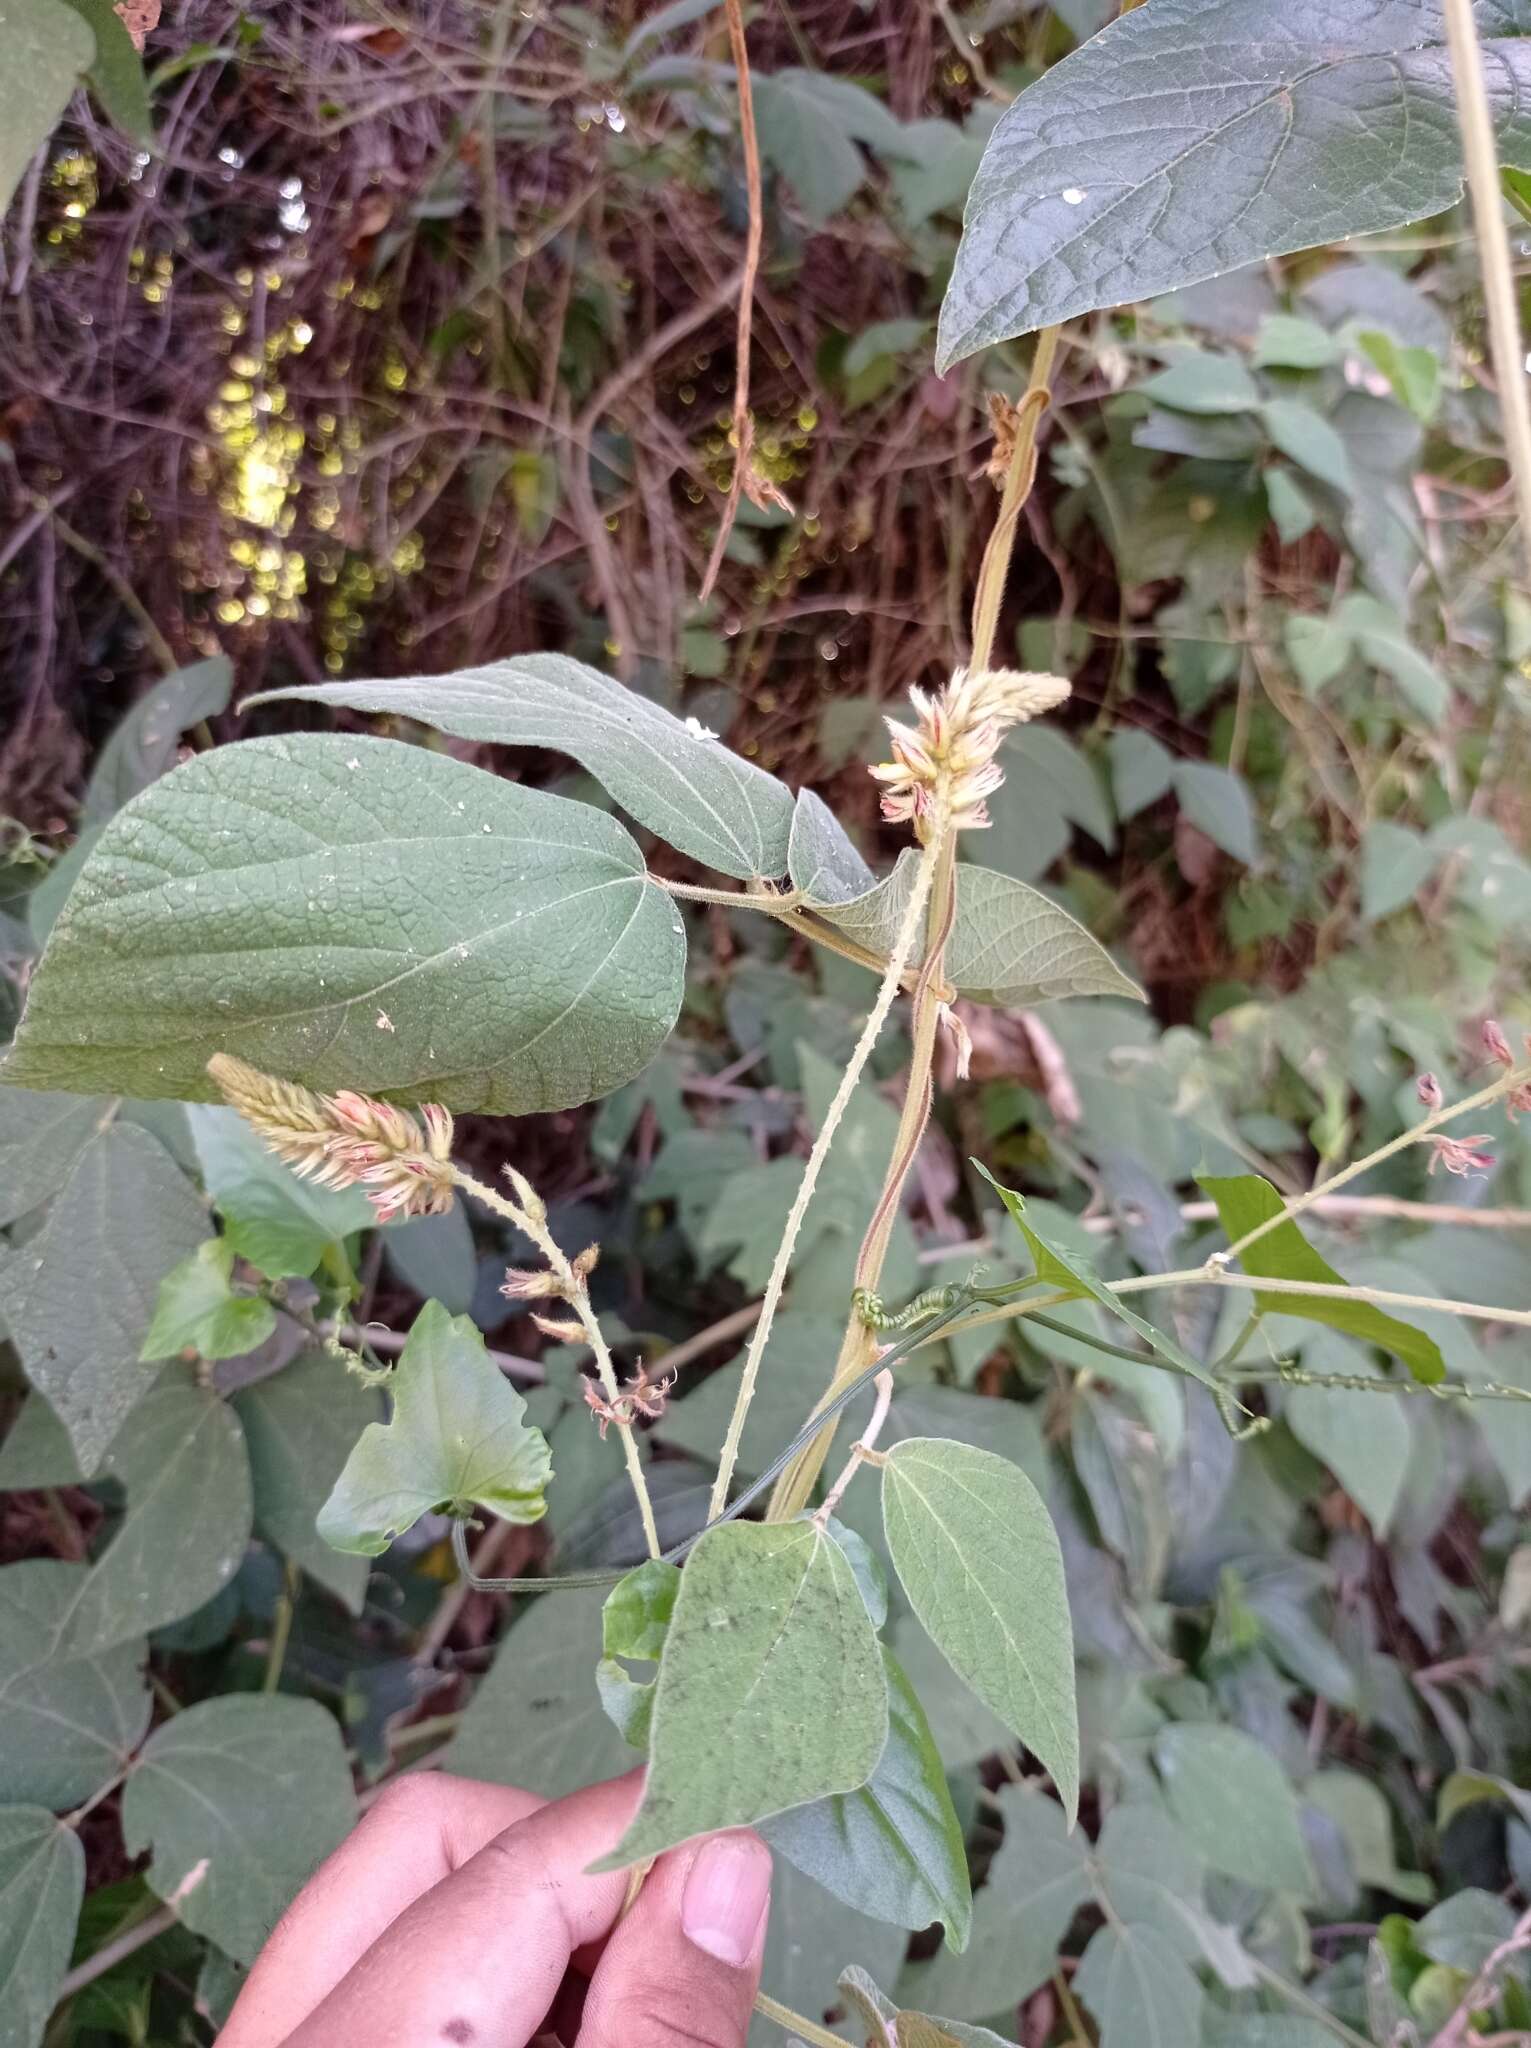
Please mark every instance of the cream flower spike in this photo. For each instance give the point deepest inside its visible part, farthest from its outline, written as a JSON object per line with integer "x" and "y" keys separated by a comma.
{"x": 347, "y": 1140}
{"x": 949, "y": 754}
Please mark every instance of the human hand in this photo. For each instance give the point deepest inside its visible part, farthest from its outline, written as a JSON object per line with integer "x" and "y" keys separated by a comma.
{"x": 460, "y": 1915}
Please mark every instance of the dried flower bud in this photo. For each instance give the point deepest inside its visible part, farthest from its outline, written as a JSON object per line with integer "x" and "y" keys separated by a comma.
{"x": 521, "y": 1284}
{"x": 585, "y": 1263}
{"x": 1428, "y": 1089}
{"x": 565, "y": 1331}
{"x": 1461, "y": 1156}
{"x": 1496, "y": 1045}
{"x": 526, "y": 1195}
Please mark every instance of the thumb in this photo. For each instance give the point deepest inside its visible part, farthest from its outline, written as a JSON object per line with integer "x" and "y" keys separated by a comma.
{"x": 680, "y": 1971}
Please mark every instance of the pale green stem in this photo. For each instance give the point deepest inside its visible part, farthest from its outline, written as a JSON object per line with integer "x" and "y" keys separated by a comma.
{"x": 1516, "y": 1078}
{"x": 1476, "y": 120}
{"x": 281, "y": 1628}
{"x": 775, "y": 902}
{"x": 794, "y": 2023}
{"x": 893, "y": 974}
{"x": 533, "y": 1220}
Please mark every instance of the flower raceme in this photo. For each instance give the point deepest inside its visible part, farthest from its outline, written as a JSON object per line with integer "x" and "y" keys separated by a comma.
{"x": 946, "y": 760}
{"x": 347, "y": 1140}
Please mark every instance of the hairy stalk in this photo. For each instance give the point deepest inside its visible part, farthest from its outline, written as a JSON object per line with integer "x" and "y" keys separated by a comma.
{"x": 775, "y": 902}
{"x": 1517, "y": 1077}
{"x": 1369, "y": 1383}
{"x": 1476, "y": 122}
{"x": 743, "y": 426}
{"x": 805, "y": 2030}
{"x": 532, "y": 1218}
{"x": 858, "y": 1346}
{"x": 893, "y": 976}
{"x": 864, "y": 1451}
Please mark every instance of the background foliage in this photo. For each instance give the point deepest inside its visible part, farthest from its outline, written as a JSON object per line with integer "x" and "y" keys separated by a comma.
{"x": 409, "y": 346}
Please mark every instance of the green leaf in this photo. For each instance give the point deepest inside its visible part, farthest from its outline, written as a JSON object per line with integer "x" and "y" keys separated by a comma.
{"x": 79, "y": 1303}
{"x": 1359, "y": 1809}
{"x": 1234, "y": 1802}
{"x": 1037, "y": 1883}
{"x": 1292, "y": 510}
{"x": 281, "y": 1224}
{"x": 1318, "y": 648}
{"x": 1190, "y": 139}
{"x": 300, "y": 1425}
{"x": 1153, "y": 1877}
{"x": 1365, "y": 1441}
{"x": 1245, "y": 1200}
{"x": 1382, "y": 638}
{"x": 143, "y": 746}
{"x": 42, "y": 1881}
{"x": 807, "y": 122}
{"x": 1287, "y": 342}
{"x": 41, "y": 1136}
{"x": 1306, "y": 438}
{"x": 367, "y": 893}
{"x": 435, "y": 1255}
{"x": 978, "y": 1557}
{"x": 117, "y": 79}
{"x": 768, "y": 1618}
{"x": 821, "y": 860}
{"x": 47, "y": 50}
{"x": 1396, "y": 863}
{"x": 1462, "y": 1931}
{"x": 961, "y": 1726}
{"x": 238, "y": 1799}
{"x": 1216, "y": 801}
{"x": 1142, "y": 770}
{"x": 903, "y": 2029}
{"x": 458, "y": 1435}
{"x": 37, "y": 1451}
{"x": 71, "y": 1722}
{"x": 180, "y": 1459}
{"x": 1200, "y": 382}
{"x": 893, "y": 1849}
{"x": 536, "y": 1718}
{"x": 636, "y": 1616}
{"x": 686, "y": 787}
{"x": 1074, "y": 1277}
{"x": 198, "y": 1307}
{"x": 1414, "y": 373}
{"x": 1010, "y": 945}
{"x": 1141, "y": 1992}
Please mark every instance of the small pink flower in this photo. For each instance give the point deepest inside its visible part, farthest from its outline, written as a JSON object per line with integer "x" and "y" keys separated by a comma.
{"x": 1428, "y": 1089}
{"x": 1496, "y": 1045}
{"x": 1461, "y": 1156}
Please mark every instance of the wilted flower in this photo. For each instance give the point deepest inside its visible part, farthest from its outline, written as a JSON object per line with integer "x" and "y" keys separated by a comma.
{"x": 347, "y": 1140}
{"x": 1428, "y": 1089}
{"x": 1496, "y": 1045}
{"x": 1461, "y": 1156}
{"x": 949, "y": 754}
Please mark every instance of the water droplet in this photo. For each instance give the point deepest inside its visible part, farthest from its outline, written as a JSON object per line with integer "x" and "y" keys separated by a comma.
{"x": 1072, "y": 196}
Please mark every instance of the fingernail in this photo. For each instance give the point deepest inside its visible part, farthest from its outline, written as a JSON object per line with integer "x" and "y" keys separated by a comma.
{"x": 725, "y": 1896}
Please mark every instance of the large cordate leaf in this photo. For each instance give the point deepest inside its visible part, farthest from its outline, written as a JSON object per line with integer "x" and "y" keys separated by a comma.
{"x": 239, "y": 1799}
{"x": 669, "y": 773}
{"x": 42, "y": 1881}
{"x": 458, "y": 1435}
{"x": 360, "y": 914}
{"x": 71, "y": 1722}
{"x": 180, "y": 1460}
{"x": 41, "y": 1136}
{"x": 1010, "y": 944}
{"x": 47, "y": 49}
{"x": 1193, "y": 136}
{"x": 977, "y": 1554}
{"x": 821, "y": 860}
{"x": 79, "y": 1296}
{"x": 1141, "y": 1992}
{"x": 770, "y": 1690}
{"x": 1234, "y": 1801}
{"x": 894, "y": 1848}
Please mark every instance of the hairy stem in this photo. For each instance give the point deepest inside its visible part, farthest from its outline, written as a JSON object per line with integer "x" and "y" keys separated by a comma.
{"x": 892, "y": 977}
{"x": 863, "y": 1451}
{"x": 1517, "y": 1077}
{"x": 794, "y": 2023}
{"x": 1476, "y": 121}
{"x": 532, "y": 1218}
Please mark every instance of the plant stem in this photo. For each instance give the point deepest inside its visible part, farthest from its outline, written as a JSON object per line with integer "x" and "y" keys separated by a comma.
{"x": 1517, "y": 1077}
{"x": 1476, "y": 122}
{"x": 794, "y": 2023}
{"x": 281, "y": 1628}
{"x": 864, "y": 1450}
{"x": 893, "y": 974}
{"x": 743, "y": 430}
{"x": 532, "y": 1218}
{"x": 995, "y": 567}
{"x": 1295, "y": 1995}
{"x": 775, "y": 902}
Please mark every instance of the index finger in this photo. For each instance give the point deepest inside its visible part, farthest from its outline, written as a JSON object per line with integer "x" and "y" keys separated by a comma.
{"x": 476, "y": 1962}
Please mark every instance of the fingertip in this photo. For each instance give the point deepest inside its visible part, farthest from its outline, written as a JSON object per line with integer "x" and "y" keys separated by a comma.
{"x": 726, "y": 1895}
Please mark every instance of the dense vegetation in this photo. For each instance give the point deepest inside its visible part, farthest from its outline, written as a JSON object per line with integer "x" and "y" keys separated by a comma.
{"x": 401, "y": 369}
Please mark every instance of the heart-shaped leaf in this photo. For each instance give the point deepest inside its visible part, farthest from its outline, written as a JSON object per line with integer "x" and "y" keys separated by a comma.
{"x": 323, "y": 906}
{"x": 770, "y": 1689}
{"x": 42, "y": 1880}
{"x": 458, "y": 1435}
{"x": 1010, "y": 944}
{"x": 667, "y": 772}
{"x": 977, "y": 1554}
{"x": 1194, "y": 136}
